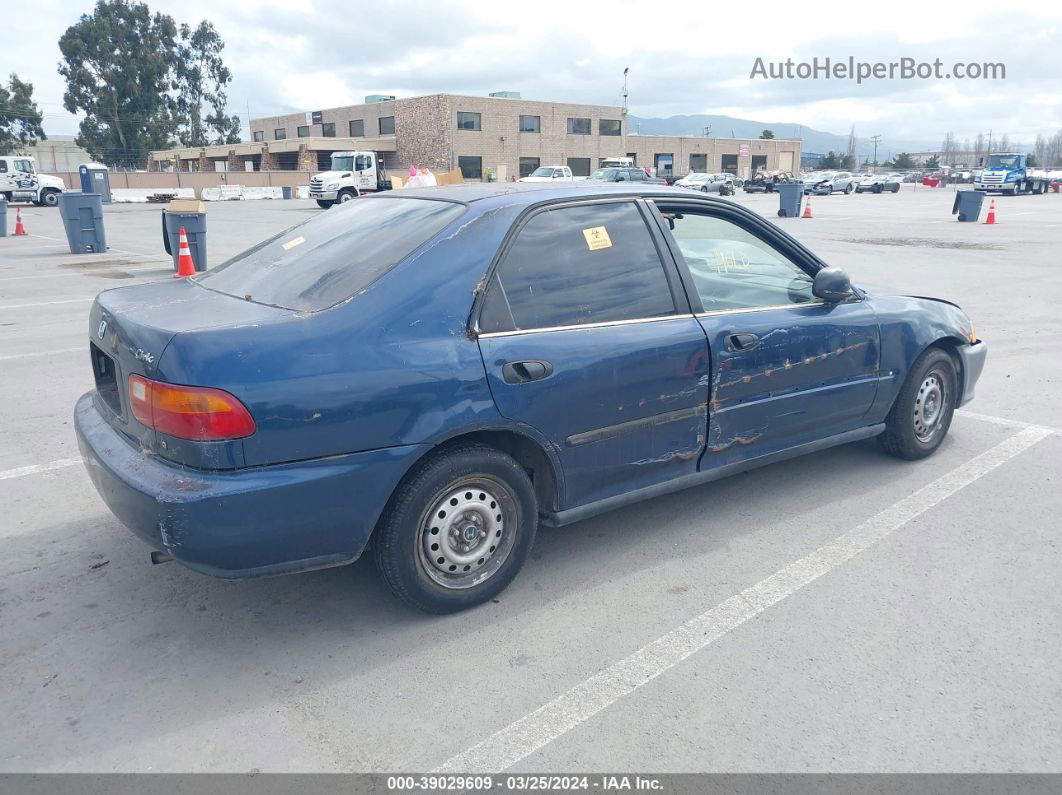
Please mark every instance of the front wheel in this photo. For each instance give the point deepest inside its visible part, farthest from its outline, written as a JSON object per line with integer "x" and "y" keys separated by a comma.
{"x": 458, "y": 530}
{"x": 50, "y": 198}
{"x": 324, "y": 204}
{"x": 346, "y": 195}
{"x": 920, "y": 417}
{"x": 849, "y": 188}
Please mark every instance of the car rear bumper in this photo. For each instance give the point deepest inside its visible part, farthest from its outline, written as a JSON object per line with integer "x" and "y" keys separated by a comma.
{"x": 243, "y": 523}
{"x": 973, "y": 362}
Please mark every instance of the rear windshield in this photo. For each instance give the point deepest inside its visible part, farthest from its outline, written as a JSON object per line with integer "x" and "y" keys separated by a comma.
{"x": 329, "y": 258}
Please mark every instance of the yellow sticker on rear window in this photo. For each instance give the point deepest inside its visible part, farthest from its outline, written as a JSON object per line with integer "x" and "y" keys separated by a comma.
{"x": 597, "y": 237}
{"x": 295, "y": 241}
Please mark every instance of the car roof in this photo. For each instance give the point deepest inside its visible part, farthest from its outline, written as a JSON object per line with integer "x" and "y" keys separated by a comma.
{"x": 528, "y": 193}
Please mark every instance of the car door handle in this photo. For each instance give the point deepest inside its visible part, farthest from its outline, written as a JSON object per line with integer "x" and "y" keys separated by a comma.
{"x": 741, "y": 342}
{"x": 522, "y": 372}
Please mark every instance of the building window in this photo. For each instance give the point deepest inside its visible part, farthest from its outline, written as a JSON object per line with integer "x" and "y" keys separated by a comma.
{"x": 468, "y": 121}
{"x": 471, "y": 167}
{"x": 357, "y": 128}
{"x": 530, "y": 124}
{"x": 279, "y": 133}
{"x": 528, "y": 164}
{"x": 608, "y": 127}
{"x": 578, "y": 126}
{"x": 580, "y": 166}
{"x": 259, "y": 135}
{"x": 328, "y": 130}
{"x": 665, "y": 164}
{"x": 303, "y": 131}
{"x": 387, "y": 125}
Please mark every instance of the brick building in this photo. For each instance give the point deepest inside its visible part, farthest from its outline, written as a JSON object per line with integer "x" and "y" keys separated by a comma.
{"x": 500, "y": 135}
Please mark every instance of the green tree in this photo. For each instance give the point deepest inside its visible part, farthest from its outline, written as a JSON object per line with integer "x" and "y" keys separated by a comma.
{"x": 201, "y": 77}
{"x": 902, "y": 160}
{"x": 847, "y": 162}
{"x": 20, "y": 120}
{"x": 933, "y": 162}
{"x": 767, "y": 134}
{"x": 830, "y": 161}
{"x": 118, "y": 64}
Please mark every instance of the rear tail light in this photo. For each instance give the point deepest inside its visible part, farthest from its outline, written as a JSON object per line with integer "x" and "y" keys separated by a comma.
{"x": 188, "y": 412}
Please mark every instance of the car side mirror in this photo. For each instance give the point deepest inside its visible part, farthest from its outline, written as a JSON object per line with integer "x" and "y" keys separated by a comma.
{"x": 831, "y": 285}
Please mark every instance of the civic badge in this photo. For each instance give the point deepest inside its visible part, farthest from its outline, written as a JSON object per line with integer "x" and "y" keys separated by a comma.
{"x": 102, "y": 329}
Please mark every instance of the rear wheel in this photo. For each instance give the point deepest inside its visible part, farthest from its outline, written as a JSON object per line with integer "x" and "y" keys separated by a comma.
{"x": 896, "y": 188}
{"x": 849, "y": 188}
{"x": 920, "y": 417}
{"x": 458, "y": 530}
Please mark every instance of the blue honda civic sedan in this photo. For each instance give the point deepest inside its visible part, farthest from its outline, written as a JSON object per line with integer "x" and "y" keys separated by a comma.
{"x": 429, "y": 374}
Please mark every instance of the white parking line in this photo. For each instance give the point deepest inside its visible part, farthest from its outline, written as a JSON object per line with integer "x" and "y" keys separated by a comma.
{"x": 1006, "y": 422}
{"x": 102, "y": 272}
{"x": 559, "y": 716}
{"x": 47, "y": 303}
{"x": 36, "y": 469}
{"x": 41, "y": 353}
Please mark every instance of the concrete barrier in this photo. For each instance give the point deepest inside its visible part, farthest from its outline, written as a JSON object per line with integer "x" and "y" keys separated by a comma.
{"x": 138, "y": 195}
{"x": 245, "y": 193}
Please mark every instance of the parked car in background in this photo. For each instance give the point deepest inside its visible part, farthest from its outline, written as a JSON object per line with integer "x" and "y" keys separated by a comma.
{"x": 439, "y": 370}
{"x": 826, "y": 182}
{"x": 549, "y": 174}
{"x": 722, "y": 184}
{"x": 623, "y": 175}
{"x": 767, "y": 183}
{"x": 877, "y": 183}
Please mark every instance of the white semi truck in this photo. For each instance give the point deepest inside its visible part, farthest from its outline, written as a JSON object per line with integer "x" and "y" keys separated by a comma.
{"x": 19, "y": 181}
{"x": 350, "y": 175}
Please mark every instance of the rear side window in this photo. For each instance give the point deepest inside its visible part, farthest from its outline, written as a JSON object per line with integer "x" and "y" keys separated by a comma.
{"x": 576, "y": 265}
{"x": 328, "y": 259}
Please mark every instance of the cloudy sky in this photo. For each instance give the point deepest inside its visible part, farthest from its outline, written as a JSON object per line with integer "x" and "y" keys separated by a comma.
{"x": 684, "y": 57}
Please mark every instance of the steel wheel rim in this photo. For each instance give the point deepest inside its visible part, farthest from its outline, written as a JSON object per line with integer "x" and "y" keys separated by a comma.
{"x": 930, "y": 404}
{"x": 468, "y": 532}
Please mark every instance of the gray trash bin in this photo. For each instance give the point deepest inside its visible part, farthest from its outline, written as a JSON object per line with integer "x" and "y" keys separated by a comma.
{"x": 967, "y": 204}
{"x": 3, "y": 218}
{"x": 82, "y": 215}
{"x": 194, "y": 225}
{"x": 790, "y": 197}
{"x": 286, "y": 191}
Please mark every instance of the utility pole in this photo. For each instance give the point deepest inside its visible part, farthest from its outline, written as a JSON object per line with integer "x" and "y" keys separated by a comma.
{"x": 708, "y": 131}
{"x": 875, "y": 139}
{"x": 625, "y": 70}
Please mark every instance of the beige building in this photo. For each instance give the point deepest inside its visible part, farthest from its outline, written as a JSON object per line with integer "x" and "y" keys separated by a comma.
{"x": 496, "y": 136}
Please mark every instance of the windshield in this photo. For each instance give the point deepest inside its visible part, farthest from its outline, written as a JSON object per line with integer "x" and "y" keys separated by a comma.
{"x": 1003, "y": 161}
{"x": 318, "y": 263}
{"x": 342, "y": 162}
{"x": 544, "y": 171}
{"x": 609, "y": 174}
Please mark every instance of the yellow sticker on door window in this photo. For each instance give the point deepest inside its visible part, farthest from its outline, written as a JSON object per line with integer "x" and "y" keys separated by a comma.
{"x": 295, "y": 241}
{"x": 597, "y": 237}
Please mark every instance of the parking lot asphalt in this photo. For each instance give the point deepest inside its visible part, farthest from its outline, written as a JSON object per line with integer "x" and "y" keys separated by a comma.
{"x": 845, "y": 611}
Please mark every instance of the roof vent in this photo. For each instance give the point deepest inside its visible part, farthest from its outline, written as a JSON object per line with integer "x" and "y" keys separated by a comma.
{"x": 505, "y": 94}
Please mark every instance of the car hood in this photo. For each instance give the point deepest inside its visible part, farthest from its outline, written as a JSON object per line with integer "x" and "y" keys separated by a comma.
{"x": 324, "y": 176}
{"x": 48, "y": 181}
{"x": 540, "y": 179}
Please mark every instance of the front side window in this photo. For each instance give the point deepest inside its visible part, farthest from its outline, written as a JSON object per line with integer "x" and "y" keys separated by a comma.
{"x": 529, "y": 166}
{"x": 3, "y": 166}
{"x": 471, "y": 167}
{"x": 356, "y": 128}
{"x": 468, "y": 121}
{"x": 329, "y": 258}
{"x": 328, "y": 130}
{"x": 387, "y": 125}
{"x": 608, "y": 127}
{"x": 362, "y": 162}
{"x": 578, "y": 126}
{"x": 733, "y": 268}
{"x": 530, "y": 124}
{"x": 577, "y": 265}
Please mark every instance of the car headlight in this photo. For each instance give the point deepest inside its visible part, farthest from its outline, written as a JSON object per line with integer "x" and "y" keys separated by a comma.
{"x": 331, "y": 186}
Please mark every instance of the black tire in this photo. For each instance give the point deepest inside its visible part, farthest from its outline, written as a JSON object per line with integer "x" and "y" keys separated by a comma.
{"x": 346, "y": 195}
{"x": 496, "y": 486}
{"x": 50, "y": 198}
{"x": 324, "y": 204}
{"x": 704, "y": 188}
{"x": 848, "y": 188}
{"x": 896, "y": 188}
{"x": 909, "y": 433}
{"x": 878, "y": 187}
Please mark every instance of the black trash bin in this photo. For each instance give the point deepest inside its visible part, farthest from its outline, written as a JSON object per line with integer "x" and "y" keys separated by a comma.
{"x": 82, "y": 215}
{"x": 967, "y": 204}
{"x": 790, "y": 198}
{"x": 286, "y": 191}
{"x": 190, "y": 216}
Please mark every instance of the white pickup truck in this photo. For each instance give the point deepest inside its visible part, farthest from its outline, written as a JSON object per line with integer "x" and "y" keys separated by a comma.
{"x": 550, "y": 174}
{"x": 19, "y": 181}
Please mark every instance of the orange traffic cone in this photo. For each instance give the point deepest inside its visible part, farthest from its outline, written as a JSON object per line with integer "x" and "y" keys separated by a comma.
{"x": 185, "y": 266}
{"x": 991, "y": 219}
{"x": 19, "y": 228}
{"x": 807, "y": 208}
